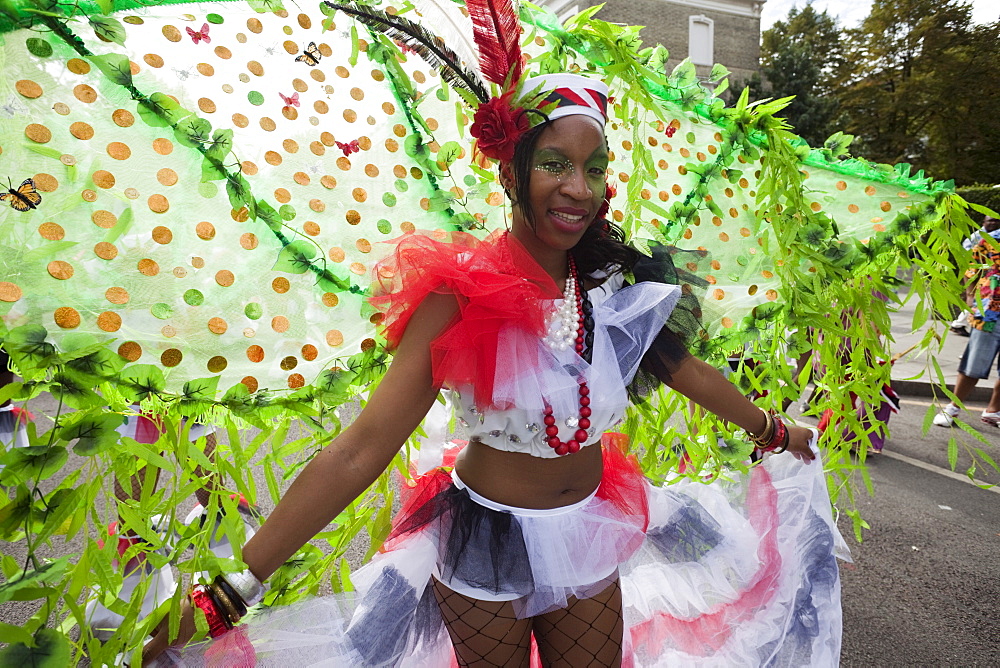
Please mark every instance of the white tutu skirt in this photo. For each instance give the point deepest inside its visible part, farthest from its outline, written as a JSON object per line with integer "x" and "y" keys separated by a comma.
{"x": 732, "y": 573}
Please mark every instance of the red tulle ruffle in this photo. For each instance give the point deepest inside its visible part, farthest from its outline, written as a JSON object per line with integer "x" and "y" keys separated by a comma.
{"x": 496, "y": 282}
{"x": 622, "y": 484}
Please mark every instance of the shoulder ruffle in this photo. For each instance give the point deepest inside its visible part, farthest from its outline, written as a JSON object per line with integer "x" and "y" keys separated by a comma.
{"x": 497, "y": 284}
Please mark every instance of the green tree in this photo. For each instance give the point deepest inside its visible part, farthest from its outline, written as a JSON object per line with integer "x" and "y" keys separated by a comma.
{"x": 919, "y": 84}
{"x": 800, "y": 56}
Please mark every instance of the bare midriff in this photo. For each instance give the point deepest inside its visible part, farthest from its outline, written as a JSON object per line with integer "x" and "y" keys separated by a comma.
{"x": 521, "y": 480}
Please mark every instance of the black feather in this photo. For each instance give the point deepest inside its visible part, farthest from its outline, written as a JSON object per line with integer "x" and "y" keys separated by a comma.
{"x": 427, "y": 45}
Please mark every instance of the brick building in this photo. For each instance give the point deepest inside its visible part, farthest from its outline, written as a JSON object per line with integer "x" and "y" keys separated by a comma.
{"x": 707, "y": 31}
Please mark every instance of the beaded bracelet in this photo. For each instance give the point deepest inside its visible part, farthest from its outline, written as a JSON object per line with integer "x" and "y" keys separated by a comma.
{"x": 202, "y": 599}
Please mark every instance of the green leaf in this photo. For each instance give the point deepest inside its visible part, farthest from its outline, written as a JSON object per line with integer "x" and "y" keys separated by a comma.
{"x": 220, "y": 145}
{"x": 449, "y": 153}
{"x": 123, "y": 225}
{"x": 47, "y": 151}
{"x": 198, "y": 391}
{"x": 7, "y": 392}
{"x": 952, "y": 452}
{"x": 355, "y": 47}
{"x": 13, "y": 589}
{"x": 38, "y": 47}
{"x": 106, "y": 6}
{"x": 51, "y": 650}
{"x": 115, "y": 66}
{"x": 160, "y": 110}
{"x": 95, "y": 431}
{"x": 140, "y": 380}
{"x": 28, "y": 347}
{"x": 36, "y": 462}
{"x": 108, "y": 29}
{"x": 193, "y": 131}
{"x": 74, "y": 391}
{"x": 296, "y": 257}
{"x": 238, "y": 189}
{"x": 11, "y": 634}
{"x": 96, "y": 367}
{"x": 212, "y": 170}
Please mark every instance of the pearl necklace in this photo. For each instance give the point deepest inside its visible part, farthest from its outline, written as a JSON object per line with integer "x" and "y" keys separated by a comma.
{"x": 568, "y": 329}
{"x": 565, "y": 321}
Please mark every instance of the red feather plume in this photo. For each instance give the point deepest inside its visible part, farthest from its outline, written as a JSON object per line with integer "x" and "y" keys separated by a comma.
{"x": 497, "y": 32}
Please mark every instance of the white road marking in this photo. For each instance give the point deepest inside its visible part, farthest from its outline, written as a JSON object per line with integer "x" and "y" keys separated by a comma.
{"x": 937, "y": 469}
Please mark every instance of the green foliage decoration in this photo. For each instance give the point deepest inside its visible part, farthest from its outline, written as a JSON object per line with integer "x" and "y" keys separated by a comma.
{"x": 838, "y": 288}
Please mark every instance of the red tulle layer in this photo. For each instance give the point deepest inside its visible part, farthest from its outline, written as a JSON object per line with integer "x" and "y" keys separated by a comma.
{"x": 496, "y": 283}
{"x": 622, "y": 484}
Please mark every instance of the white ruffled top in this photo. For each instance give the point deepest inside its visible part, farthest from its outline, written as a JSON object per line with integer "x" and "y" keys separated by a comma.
{"x": 626, "y": 320}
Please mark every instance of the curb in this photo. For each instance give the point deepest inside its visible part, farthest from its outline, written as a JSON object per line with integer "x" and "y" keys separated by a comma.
{"x": 920, "y": 388}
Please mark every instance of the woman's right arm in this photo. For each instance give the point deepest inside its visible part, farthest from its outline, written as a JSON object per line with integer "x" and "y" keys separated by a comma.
{"x": 346, "y": 467}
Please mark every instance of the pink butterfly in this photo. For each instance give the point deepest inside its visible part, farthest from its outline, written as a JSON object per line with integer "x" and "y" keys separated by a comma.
{"x": 404, "y": 47}
{"x": 199, "y": 35}
{"x": 350, "y": 147}
{"x": 292, "y": 101}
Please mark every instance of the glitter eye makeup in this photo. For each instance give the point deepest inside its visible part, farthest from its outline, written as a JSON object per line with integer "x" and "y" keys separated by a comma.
{"x": 560, "y": 167}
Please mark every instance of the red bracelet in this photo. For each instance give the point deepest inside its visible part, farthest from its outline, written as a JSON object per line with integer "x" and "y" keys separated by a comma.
{"x": 201, "y": 599}
{"x": 779, "y": 441}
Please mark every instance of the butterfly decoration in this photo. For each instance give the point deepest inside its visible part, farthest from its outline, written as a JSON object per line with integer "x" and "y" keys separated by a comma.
{"x": 310, "y": 56}
{"x": 405, "y": 48}
{"x": 25, "y": 197}
{"x": 292, "y": 101}
{"x": 349, "y": 147}
{"x": 670, "y": 130}
{"x": 200, "y": 35}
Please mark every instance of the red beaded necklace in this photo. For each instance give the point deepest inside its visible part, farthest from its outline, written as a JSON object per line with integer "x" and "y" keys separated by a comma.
{"x": 551, "y": 430}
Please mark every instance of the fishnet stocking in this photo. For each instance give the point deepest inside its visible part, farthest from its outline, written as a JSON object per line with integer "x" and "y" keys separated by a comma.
{"x": 587, "y": 632}
{"x": 484, "y": 633}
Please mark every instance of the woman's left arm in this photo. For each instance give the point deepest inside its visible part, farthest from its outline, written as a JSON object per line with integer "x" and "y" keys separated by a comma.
{"x": 708, "y": 388}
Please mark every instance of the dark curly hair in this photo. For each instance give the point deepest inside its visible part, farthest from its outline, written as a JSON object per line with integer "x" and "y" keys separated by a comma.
{"x": 603, "y": 244}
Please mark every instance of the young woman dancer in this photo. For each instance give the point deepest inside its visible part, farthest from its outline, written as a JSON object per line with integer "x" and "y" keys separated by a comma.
{"x": 543, "y": 532}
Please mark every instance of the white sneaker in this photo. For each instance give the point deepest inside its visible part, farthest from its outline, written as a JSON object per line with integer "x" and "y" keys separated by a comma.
{"x": 946, "y": 418}
{"x": 992, "y": 418}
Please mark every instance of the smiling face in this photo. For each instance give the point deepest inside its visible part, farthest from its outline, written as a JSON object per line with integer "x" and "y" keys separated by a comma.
{"x": 566, "y": 183}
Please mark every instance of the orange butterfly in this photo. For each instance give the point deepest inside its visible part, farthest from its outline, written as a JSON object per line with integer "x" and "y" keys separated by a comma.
{"x": 24, "y": 198}
{"x": 310, "y": 56}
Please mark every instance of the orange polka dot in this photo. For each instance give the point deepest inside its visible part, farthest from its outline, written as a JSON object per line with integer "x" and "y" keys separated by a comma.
{"x": 66, "y": 317}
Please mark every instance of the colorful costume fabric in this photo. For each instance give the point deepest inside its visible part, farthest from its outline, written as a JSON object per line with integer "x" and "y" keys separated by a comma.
{"x": 197, "y": 193}
{"x": 740, "y": 572}
{"x": 985, "y": 312}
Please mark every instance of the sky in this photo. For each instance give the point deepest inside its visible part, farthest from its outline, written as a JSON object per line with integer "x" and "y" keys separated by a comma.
{"x": 850, "y": 13}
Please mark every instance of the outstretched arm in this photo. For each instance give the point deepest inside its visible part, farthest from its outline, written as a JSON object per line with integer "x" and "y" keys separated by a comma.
{"x": 708, "y": 388}
{"x": 346, "y": 467}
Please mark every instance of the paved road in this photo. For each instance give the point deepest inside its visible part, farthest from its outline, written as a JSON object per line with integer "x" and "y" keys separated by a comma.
{"x": 924, "y": 587}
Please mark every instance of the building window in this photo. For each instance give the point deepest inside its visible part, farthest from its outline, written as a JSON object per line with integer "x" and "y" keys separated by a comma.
{"x": 701, "y": 40}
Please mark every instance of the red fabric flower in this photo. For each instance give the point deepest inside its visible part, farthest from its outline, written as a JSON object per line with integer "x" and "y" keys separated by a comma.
{"x": 497, "y": 127}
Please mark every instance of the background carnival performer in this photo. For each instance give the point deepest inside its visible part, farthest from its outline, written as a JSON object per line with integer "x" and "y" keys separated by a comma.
{"x": 532, "y": 526}
{"x": 195, "y": 229}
